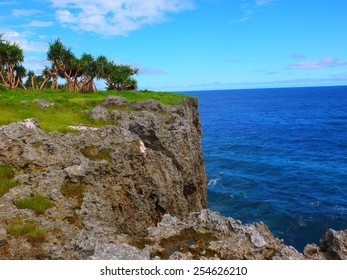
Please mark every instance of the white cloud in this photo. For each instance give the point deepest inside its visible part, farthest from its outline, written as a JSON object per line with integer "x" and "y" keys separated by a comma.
{"x": 250, "y": 8}
{"x": 24, "y": 13}
{"x": 143, "y": 70}
{"x": 39, "y": 23}
{"x": 297, "y": 55}
{"x": 116, "y": 17}
{"x": 4, "y": 3}
{"x": 326, "y": 62}
{"x": 28, "y": 45}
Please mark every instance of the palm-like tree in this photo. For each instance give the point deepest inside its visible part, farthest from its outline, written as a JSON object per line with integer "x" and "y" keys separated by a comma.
{"x": 11, "y": 69}
{"x": 63, "y": 62}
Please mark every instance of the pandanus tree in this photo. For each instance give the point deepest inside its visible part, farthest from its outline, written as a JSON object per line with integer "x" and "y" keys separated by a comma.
{"x": 117, "y": 77}
{"x": 11, "y": 68}
{"x": 79, "y": 73}
{"x": 88, "y": 70}
{"x": 38, "y": 82}
{"x": 63, "y": 62}
{"x": 120, "y": 77}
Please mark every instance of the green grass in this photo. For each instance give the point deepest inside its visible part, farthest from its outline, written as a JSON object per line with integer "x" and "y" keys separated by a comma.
{"x": 30, "y": 230}
{"x": 6, "y": 179}
{"x": 38, "y": 203}
{"x": 19, "y": 229}
{"x": 68, "y": 106}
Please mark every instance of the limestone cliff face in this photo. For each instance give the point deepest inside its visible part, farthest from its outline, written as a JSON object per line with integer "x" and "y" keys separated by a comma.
{"x": 132, "y": 190}
{"x": 107, "y": 183}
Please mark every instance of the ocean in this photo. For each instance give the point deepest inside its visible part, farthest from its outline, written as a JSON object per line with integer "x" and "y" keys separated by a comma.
{"x": 278, "y": 156}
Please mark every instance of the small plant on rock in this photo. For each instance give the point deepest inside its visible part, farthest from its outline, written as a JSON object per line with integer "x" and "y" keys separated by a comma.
{"x": 38, "y": 203}
{"x": 6, "y": 179}
{"x": 72, "y": 190}
{"x": 19, "y": 228}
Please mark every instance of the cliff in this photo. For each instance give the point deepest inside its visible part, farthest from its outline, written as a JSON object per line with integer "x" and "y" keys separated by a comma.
{"x": 135, "y": 189}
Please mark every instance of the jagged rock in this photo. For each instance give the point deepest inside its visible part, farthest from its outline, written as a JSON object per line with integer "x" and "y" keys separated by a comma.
{"x": 312, "y": 251}
{"x": 140, "y": 182}
{"x": 208, "y": 235}
{"x": 117, "y": 179}
{"x": 334, "y": 245}
{"x": 288, "y": 253}
{"x": 100, "y": 113}
{"x": 43, "y": 103}
{"x": 3, "y": 235}
{"x": 147, "y": 105}
{"x": 118, "y": 252}
{"x": 82, "y": 127}
{"x": 114, "y": 101}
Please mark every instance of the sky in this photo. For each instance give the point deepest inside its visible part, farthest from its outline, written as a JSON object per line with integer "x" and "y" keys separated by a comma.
{"x": 185, "y": 45}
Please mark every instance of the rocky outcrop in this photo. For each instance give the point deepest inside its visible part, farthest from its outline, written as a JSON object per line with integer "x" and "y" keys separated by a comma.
{"x": 208, "y": 235}
{"x": 104, "y": 182}
{"x": 132, "y": 190}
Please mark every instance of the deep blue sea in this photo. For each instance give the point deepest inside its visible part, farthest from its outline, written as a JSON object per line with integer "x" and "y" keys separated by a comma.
{"x": 278, "y": 156}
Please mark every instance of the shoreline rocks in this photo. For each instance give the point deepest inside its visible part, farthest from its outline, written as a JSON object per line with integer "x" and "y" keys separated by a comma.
{"x": 135, "y": 189}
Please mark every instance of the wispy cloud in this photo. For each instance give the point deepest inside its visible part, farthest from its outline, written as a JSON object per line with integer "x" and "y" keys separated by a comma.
{"x": 39, "y": 23}
{"x": 247, "y": 15}
{"x": 326, "y": 62}
{"x": 25, "y": 13}
{"x": 115, "y": 17}
{"x": 263, "y": 2}
{"x": 274, "y": 72}
{"x": 296, "y": 55}
{"x": 150, "y": 71}
{"x": 5, "y": 3}
{"x": 249, "y": 8}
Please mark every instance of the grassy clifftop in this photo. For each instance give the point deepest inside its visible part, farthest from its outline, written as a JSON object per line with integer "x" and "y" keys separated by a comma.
{"x": 17, "y": 105}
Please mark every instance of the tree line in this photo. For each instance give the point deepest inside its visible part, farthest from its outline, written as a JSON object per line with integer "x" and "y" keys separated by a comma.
{"x": 79, "y": 73}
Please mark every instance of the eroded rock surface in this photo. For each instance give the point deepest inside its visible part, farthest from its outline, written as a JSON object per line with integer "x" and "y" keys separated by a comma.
{"x": 117, "y": 179}
{"x": 208, "y": 235}
{"x": 132, "y": 190}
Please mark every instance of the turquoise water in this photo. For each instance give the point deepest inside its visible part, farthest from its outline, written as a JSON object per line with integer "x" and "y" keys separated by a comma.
{"x": 278, "y": 156}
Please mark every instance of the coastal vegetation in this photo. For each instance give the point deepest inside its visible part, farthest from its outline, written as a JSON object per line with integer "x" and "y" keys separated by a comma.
{"x": 67, "y": 109}
{"x": 22, "y": 91}
{"x": 79, "y": 73}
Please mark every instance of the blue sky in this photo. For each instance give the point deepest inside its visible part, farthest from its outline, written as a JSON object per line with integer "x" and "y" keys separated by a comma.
{"x": 182, "y": 45}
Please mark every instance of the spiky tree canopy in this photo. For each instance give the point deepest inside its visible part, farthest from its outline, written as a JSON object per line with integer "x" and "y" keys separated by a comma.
{"x": 11, "y": 58}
